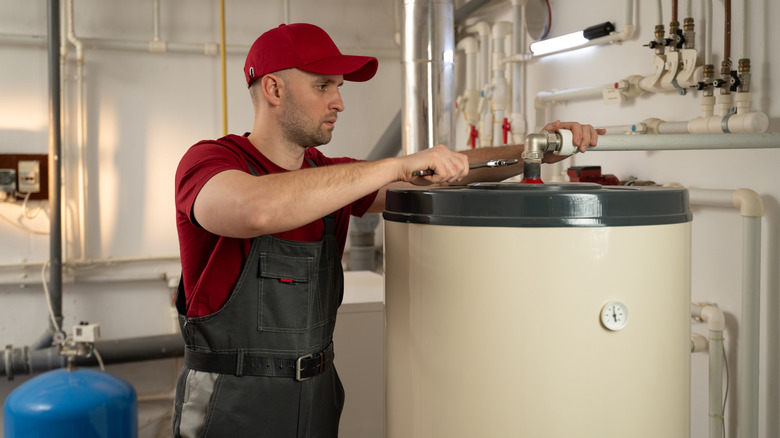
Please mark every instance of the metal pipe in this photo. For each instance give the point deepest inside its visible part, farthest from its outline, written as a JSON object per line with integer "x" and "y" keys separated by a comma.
{"x": 470, "y": 7}
{"x": 55, "y": 170}
{"x": 24, "y": 360}
{"x": 428, "y": 49}
{"x": 389, "y": 144}
{"x": 222, "y": 54}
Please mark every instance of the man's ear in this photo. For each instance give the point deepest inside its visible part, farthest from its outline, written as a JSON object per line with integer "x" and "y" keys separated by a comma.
{"x": 272, "y": 85}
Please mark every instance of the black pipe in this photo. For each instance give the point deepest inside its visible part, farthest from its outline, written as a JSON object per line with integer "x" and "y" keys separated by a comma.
{"x": 55, "y": 174}
{"x": 23, "y": 361}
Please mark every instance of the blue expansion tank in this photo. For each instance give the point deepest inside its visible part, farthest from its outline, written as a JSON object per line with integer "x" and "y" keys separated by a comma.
{"x": 77, "y": 404}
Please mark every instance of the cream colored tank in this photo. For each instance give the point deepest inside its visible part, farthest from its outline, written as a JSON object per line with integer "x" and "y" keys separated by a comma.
{"x": 554, "y": 311}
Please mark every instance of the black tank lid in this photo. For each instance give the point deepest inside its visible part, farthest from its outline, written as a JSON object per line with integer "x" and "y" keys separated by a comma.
{"x": 538, "y": 205}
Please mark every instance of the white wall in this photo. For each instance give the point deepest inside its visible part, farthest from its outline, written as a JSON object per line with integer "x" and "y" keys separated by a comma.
{"x": 144, "y": 110}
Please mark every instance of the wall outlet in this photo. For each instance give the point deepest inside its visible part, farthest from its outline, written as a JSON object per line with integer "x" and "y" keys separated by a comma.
{"x": 29, "y": 176}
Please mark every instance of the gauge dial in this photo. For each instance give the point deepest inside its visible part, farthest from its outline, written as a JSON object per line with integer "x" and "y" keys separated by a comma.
{"x": 614, "y": 315}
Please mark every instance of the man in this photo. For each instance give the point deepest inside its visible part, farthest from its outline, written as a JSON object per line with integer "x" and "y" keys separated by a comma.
{"x": 262, "y": 221}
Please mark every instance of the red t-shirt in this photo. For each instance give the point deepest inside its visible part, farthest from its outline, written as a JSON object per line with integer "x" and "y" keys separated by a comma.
{"x": 210, "y": 263}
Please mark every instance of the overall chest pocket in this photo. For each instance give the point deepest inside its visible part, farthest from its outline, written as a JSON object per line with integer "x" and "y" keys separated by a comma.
{"x": 285, "y": 290}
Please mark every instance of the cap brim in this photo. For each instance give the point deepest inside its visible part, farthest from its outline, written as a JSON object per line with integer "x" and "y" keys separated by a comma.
{"x": 353, "y": 68}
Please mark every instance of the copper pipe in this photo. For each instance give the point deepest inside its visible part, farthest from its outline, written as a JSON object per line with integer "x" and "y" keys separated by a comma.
{"x": 727, "y": 32}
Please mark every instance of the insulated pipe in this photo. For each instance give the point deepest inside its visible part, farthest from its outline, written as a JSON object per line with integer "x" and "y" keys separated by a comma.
{"x": 751, "y": 208}
{"x": 55, "y": 170}
{"x": 428, "y": 48}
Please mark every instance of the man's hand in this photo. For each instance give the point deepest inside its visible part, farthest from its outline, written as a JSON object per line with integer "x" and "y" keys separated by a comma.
{"x": 583, "y": 136}
{"x": 447, "y": 166}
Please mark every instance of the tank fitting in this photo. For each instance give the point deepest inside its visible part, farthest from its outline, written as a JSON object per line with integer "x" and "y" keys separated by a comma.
{"x": 536, "y": 145}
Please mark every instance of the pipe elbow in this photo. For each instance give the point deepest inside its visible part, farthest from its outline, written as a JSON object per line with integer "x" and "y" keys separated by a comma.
{"x": 627, "y": 32}
{"x": 481, "y": 28}
{"x": 469, "y": 45}
{"x": 501, "y": 29}
{"x": 748, "y": 202}
{"x": 714, "y": 318}
{"x": 698, "y": 343}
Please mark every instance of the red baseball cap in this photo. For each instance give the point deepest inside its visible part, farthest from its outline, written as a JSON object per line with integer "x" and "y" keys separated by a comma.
{"x": 306, "y": 47}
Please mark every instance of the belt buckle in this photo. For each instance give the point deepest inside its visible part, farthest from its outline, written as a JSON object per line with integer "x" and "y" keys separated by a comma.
{"x": 298, "y": 368}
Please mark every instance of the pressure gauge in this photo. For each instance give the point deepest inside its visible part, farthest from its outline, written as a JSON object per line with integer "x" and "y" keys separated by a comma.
{"x": 614, "y": 315}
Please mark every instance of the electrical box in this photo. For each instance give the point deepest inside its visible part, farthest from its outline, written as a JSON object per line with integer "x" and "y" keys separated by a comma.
{"x": 85, "y": 332}
{"x": 30, "y": 174}
{"x": 7, "y": 183}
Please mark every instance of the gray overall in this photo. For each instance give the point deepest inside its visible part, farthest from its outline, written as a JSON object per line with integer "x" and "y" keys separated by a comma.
{"x": 262, "y": 366}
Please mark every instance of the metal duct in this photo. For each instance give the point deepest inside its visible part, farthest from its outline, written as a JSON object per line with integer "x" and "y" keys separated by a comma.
{"x": 428, "y": 51}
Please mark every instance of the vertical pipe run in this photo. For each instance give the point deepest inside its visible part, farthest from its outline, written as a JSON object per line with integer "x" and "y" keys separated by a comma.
{"x": 55, "y": 174}
{"x": 716, "y": 383}
{"x": 222, "y": 52}
{"x": 428, "y": 49}
{"x": 747, "y": 388}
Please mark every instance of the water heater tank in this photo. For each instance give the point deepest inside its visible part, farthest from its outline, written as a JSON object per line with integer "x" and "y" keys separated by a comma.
{"x": 72, "y": 404}
{"x": 556, "y": 311}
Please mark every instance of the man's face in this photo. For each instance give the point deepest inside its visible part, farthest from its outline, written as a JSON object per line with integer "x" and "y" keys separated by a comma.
{"x": 311, "y": 106}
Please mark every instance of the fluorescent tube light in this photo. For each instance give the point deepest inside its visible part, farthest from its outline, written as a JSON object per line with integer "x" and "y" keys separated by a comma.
{"x": 558, "y": 44}
{"x": 572, "y": 40}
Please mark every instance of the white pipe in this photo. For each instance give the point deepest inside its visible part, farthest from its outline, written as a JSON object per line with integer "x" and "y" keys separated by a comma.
{"x": 81, "y": 129}
{"x": 749, "y": 334}
{"x": 716, "y": 324}
{"x": 469, "y": 102}
{"x": 751, "y": 208}
{"x": 517, "y": 93}
{"x": 745, "y": 122}
{"x": 670, "y": 142}
{"x": 698, "y": 343}
{"x": 565, "y": 95}
{"x": 660, "y": 13}
{"x": 486, "y": 120}
{"x": 499, "y": 86}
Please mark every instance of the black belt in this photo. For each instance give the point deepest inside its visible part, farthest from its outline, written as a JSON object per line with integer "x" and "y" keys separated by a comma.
{"x": 249, "y": 364}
